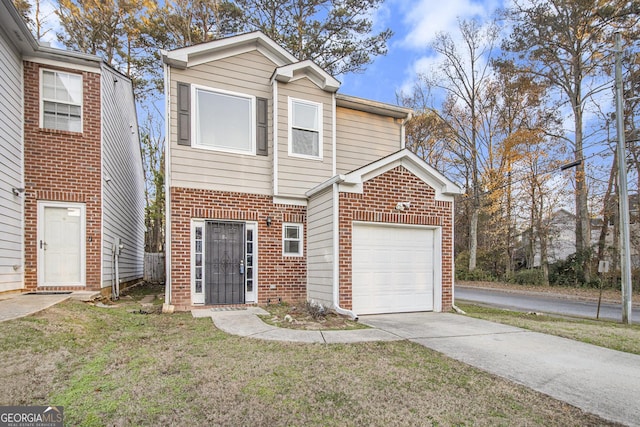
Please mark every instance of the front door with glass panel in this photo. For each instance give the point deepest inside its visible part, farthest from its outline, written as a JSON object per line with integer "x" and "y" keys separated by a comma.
{"x": 60, "y": 244}
{"x": 224, "y": 263}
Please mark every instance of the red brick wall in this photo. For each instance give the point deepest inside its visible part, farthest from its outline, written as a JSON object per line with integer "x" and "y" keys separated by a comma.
{"x": 377, "y": 204}
{"x": 62, "y": 166}
{"x": 289, "y": 274}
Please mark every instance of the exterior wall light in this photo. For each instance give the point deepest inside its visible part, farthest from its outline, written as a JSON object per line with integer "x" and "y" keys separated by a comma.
{"x": 269, "y": 221}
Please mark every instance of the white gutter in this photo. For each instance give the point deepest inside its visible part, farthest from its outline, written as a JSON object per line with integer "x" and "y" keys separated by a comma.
{"x": 336, "y": 255}
{"x": 167, "y": 192}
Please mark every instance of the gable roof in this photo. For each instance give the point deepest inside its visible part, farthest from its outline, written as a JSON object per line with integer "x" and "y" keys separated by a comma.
{"x": 352, "y": 181}
{"x": 317, "y": 75}
{"x": 229, "y": 46}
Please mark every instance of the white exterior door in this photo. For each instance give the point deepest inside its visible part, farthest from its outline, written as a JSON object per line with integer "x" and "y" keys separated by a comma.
{"x": 61, "y": 247}
{"x": 393, "y": 268}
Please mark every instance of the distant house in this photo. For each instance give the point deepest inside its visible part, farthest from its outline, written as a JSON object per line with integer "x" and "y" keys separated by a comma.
{"x": 281, "y": 188}
{"x": 562, "y": 237}
{"x": 71, "y": 180}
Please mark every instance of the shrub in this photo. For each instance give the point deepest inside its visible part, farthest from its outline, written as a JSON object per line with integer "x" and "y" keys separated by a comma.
{"x": 532, "y": 276}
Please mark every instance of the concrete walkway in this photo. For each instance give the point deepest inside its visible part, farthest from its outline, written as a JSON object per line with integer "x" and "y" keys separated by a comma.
{"x": 598, "y": 380}
{"x": 15, "y": 306}
{"x": 246, "y": 323}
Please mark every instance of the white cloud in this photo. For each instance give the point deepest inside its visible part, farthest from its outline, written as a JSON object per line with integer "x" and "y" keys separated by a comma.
{"x": 424, "y": 19}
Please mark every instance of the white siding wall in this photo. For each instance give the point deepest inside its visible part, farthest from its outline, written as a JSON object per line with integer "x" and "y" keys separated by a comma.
{"x": 123, "y": 195}
{"x": 298, "y": 175}
{"x": 320, "y": 248}
{"x": 11, "y": 167}
{"x": 363, "y": 138}
{"x": 248, "y": 73}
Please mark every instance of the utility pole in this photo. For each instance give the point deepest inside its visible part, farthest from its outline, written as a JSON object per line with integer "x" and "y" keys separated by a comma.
{"x": 623, "y": 196}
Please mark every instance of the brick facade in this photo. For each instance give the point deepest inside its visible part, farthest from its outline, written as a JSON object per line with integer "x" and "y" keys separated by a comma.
{"x": 62, "y": 166}
{"x": 377, "y": 204}
{"x": 287, "y": 274}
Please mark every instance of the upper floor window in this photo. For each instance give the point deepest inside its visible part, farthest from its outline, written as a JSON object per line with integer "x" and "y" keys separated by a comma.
{"x": 61, "y": 101}
{"x": 305, "y": 129}
{"x": 224, "y": 121}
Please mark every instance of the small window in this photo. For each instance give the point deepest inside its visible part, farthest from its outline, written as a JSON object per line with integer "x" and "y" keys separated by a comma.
{"x": 61, "y": 101}
{"x": 305, "y": 131}
{"x": 292, "y": 239}
{"x": 224, "y": 121}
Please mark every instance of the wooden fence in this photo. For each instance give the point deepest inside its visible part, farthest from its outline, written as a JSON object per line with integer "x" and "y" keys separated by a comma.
{"x": 154, "y": 270}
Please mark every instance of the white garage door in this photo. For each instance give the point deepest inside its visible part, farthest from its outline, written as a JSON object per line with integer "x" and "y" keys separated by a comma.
{"x": 393, "y": 269}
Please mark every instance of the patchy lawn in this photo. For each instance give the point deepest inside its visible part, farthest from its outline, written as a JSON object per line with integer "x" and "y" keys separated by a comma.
{"x": 304, "y": 315}
{"x": 119, "y": 366}
{"x": 603, "y": 333}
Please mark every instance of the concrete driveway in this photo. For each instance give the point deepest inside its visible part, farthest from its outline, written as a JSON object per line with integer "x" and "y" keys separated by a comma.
{"x": 598, "y": 380}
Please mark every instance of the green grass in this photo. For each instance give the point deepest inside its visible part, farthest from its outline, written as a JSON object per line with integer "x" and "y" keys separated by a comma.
{"x": 603, "y": 333}
{"x": 118, "y": 367}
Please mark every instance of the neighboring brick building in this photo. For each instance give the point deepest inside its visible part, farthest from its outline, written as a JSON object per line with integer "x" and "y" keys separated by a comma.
{"x": 79, "y": 188}
{"x": 281, "y": 189}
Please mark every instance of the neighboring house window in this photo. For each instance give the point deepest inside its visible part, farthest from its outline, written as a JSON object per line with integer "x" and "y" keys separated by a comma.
{"x": 305, "y": 129}
{"x": 61, "y": 101}
{"x": 292, "y": 239}
{"x": 224, "y": 121}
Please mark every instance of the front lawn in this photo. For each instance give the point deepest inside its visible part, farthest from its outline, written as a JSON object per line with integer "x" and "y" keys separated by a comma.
{"x": 126, "y": 366}
{"x": 603, "y": 333}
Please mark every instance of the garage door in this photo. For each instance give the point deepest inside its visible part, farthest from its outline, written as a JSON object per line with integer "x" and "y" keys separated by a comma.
{"x": 393, "y": 269}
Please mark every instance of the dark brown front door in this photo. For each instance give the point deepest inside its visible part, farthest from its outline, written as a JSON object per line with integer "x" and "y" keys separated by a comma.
{"x": 224, "y": 264}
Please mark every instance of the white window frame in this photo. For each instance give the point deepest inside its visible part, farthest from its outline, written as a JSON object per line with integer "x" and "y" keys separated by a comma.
{"x": 251, "y": 297}
{"x": 57, "y": 101}
{"x": 300, "y": 239}
{"x": 194, "y": 119}
{"x": 318, "y": 105}
{"x": 197, "y": 298}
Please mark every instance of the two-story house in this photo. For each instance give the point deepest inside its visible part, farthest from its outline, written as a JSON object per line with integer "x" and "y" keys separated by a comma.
{"x": 280, "y": 188}
{"x": 71, "y": 179}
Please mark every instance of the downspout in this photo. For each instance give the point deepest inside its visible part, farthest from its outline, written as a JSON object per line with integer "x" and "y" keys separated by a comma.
{"x": 336, "y": 256}
{"x": 403, "y": 138}
{"x": 167, "y": 186}
{"x": 333, "y": 135}
{"x": 274, "y": 85}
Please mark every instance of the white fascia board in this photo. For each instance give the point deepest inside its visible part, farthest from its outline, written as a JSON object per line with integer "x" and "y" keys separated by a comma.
{"x": 229, "y": 46}
{"x": 61, "y": 63}
{"x": 291, "y": 201}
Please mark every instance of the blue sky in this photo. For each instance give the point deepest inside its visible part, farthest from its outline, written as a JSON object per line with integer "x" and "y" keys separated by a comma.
{"x": 415, "y": 24}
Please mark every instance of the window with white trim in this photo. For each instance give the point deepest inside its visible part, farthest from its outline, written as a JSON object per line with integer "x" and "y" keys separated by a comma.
{"x": 61, "y": 101}
{"x": 292, "y": 244}
{"x": 224, "y": 121}
{"x": 305, "y": 129}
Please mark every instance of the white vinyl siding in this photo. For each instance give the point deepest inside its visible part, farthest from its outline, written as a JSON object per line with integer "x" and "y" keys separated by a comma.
{"x": 247, "y": 73}
{"x": 11, "y": 168}
{"x": 60, "y": 100}
{"x": 363, "y": 138}
{"x": 122, "y": 180}
{"x": 296, "y": 175}
{"x": 320, "y": 248}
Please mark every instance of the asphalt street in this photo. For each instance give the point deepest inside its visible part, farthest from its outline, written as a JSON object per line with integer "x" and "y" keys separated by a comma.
{"x": 542, "y": 303}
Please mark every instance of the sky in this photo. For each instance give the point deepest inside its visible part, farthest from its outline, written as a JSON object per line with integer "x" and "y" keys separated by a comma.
{"x": 415, "y": 24}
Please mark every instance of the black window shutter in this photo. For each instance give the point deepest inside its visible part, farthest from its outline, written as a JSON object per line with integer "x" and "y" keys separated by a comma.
{"x": 184, "y": 114}
{"x": 261, "y": 127}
